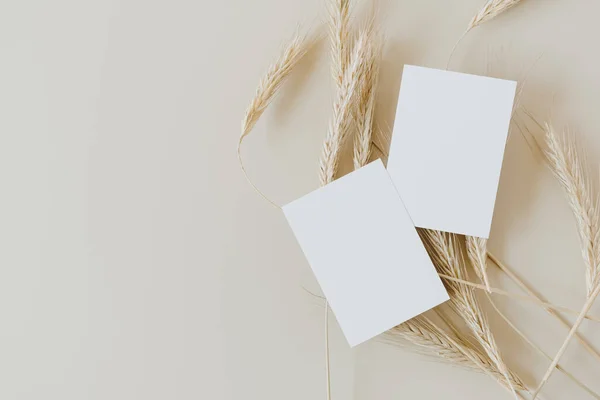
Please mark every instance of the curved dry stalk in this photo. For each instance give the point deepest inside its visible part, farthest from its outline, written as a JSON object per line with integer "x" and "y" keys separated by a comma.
{"x": 271, "y": 82}
{"x": 538, "y": 349}
{"x": 448, "y": 259}
{"x": 532, "y": 299}
{"x": 586, "y": 307}
{"x": 477, "y": 252}
{"x": 519, "y": 282}
{"x": 267, "y": 88}
{"x": 342, "y": 109}
{"x": 491, "y": 10}
{"x": 432, "y": 340}
{"x": 566, "y": 165}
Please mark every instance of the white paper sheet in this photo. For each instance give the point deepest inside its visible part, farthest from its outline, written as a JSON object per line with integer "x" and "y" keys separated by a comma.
{"x": 447, "y": 147}
{"x": 365, "y": 253}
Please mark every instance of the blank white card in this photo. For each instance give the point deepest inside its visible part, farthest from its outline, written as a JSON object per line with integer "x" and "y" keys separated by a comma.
{"x": 447, "y": 147}
{"x": 365, "y": 253}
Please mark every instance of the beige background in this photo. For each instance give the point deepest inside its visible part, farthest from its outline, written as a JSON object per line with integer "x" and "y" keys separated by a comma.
{"x": 138, "y": 264}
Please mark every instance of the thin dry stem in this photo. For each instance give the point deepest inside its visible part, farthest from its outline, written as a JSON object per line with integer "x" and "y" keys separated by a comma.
{"x": 532, "y": 299}
{"x": 448, "y": 259}
{"x": 567, "y": 167}
{"x": 538, "y": 349}
{"x": 491, "y": 10}
{"x": 586, "y": 307}
{"x": 565, "y": 163}
{"x": 519, "y": 282}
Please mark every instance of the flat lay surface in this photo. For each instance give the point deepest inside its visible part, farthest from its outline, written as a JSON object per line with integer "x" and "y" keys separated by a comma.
{"x": 138, "y": 263}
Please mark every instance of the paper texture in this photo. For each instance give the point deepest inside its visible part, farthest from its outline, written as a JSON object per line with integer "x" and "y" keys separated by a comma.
{"x": 447, "y": 147}
{"x": 365, "y": 253}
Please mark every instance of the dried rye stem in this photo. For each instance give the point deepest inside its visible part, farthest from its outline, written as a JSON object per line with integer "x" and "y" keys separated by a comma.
{"x": 477, "y": 252}
{"x": 491, "y": 10}
{"x": 447, "y": 256}
{"x": 567, "y": 167}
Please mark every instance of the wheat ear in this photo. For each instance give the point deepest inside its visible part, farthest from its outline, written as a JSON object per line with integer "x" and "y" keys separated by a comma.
{"x": 566, "y": 165}
{"x": 430, "y": 339}
{"x": 271, "y": 82}
{"x": 267, "y": 88}
{"x": 339, "y": 33}
{"x": 343, "y": 106}
{"x": 447, "y": 256}
{"x": 365, "y": 107}
{"x": 346, "y": 77}
{"x": 491, "y": 10}
{"x": 564, "y": 161}
{"x": 477, "y": 252}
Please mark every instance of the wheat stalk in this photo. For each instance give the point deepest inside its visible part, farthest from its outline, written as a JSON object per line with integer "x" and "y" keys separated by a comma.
{"x": 343, "y": 107}
{"x": 538, "y": 349}
{"x": 419, "y": 331}
{"x": 267, "y": 88}
{"x": 565, "y": 164}
{"x": 432, "y": 340}
{"x": 448, "y": 259}
{"x": 564, "y": 161}
{"x": 491, "y": 10}
{"x": 347, "y": 77}
{"x": 477, "y": 252}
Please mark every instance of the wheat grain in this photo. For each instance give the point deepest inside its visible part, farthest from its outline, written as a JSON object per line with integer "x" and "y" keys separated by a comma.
{"x": 365, "y": 108}
{"x": 271, "y": 82}
{"x": 565, "y": 163}
{"x": 491, "y": 10}
{"x": 344, "y": 104}
{"x": 267, "y": 88}
{"x": 339, "y": 33}
{"x": 432, "y": 340}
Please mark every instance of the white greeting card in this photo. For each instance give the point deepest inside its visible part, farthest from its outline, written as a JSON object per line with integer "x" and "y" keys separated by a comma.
{"x": 447, "y": 147}
{"x": 365, "y": 253}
